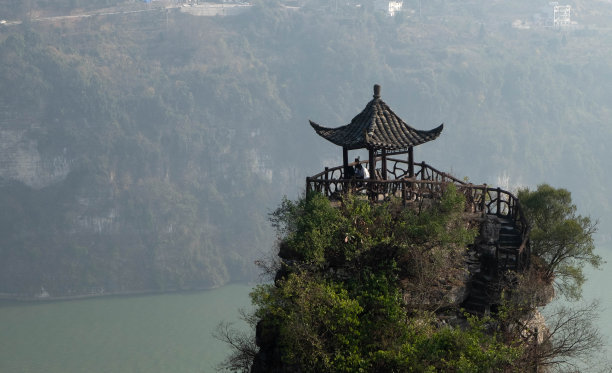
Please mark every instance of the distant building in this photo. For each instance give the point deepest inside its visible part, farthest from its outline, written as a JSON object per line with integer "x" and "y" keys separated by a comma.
{"x": 554, "y": 15}
{"x": 561, "y": 15}
{"x": 389, "y": 7}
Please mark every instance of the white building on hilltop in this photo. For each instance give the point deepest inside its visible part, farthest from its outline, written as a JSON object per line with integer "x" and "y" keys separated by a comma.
{"x": 561, "y": 14}
{"x": 389, "y": 7}
{"x": 554, "y": 15}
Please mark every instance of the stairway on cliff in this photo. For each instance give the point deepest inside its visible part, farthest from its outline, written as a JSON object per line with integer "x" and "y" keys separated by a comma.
{"x": 509, "y": 243}
{"x": 493, "y": 258}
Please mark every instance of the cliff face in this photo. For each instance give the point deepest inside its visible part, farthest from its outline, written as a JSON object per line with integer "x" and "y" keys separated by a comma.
{"x": 79, "y": 223}
{"x": 21, "y": 161}
{"x": 111, "y": 181}
{"x": 72, "y": 230}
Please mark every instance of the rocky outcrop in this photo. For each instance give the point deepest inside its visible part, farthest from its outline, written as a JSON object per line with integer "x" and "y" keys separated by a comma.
{"x": 20, "y": 160}
{"x": 475, "y": 288}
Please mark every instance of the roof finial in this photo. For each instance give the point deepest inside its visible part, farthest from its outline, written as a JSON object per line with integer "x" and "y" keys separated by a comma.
{"x": 376, "y": 91}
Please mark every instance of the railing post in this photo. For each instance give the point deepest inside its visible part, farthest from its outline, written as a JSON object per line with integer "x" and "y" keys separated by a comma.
{"x": 344, "y": 162}
{"x": 383, "y": 166}
{"x": 483, "y": 202}
{"x": 410, "y": 162}
{"x": 327, "y": 193}
{"x": 498, "y": 201}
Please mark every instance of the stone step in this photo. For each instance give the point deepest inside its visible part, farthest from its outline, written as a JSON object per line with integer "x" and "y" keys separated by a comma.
{"x": 476, "y": 308}
{"x": 505, "y": 222}
{"x": 482, "y": 286}
{"x": 507, "y": 249}
{"x": 510, "y": 236}
{"x": 509, "y": 244}
{"x": 507, "y": 254}
{"x": 508, "y": 228}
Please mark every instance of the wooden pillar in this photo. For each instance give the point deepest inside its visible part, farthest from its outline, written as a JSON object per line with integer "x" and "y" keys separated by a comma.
{"x": 410, "y": 162}
{"x": 498, "y": 201}
{"x": 483, "y": 205}
{"x": 383, "y": 153}
{"x": 345, "y": 161}
{"x": 372, "y": 166}
{"x": 327, "y": 192}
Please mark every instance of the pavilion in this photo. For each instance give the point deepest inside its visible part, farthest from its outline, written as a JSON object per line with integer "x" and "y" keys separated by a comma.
{"x": 379, "y": 130}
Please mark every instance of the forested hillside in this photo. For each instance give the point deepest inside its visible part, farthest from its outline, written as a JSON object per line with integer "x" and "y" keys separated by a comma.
{"x": 143, "y": 151}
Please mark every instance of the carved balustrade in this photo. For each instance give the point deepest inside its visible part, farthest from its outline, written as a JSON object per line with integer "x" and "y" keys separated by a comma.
{"x": 427, "y": 183}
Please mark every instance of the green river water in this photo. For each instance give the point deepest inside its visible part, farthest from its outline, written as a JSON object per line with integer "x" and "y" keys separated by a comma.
{"x": 152, "y": 333}
{"x": 156, "y": 333}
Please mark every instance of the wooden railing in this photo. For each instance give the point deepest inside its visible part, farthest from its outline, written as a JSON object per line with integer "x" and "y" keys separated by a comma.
{"x": 427, "y": 183}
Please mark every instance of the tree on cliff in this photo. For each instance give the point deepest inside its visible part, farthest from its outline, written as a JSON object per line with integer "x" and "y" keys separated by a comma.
{"x": 562, "y": 244}
{"x": 559, "y": 237}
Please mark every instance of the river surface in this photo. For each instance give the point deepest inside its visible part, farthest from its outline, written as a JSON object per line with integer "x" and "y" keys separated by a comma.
{"x": 152, "y": 333}
{"x": 158, "y": 333}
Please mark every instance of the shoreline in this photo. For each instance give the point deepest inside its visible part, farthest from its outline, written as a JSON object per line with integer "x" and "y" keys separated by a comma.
{"x": 22, "y": 298}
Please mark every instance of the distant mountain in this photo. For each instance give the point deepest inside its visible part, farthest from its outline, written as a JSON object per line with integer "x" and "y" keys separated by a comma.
{"x": 143, "y": 151}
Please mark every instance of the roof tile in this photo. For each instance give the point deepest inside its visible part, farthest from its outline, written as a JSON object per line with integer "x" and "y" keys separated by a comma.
{"x": 377, "y": 127}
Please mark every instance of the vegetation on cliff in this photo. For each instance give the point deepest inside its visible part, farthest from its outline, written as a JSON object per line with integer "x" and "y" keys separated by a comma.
{"x": 372, "y": 287}
{"x": 359, "y": 287}
{"x": 561, "y": 239}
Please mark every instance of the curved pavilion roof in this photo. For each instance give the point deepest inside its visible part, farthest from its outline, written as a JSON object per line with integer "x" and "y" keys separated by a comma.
{"x": 377, "y": 127}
